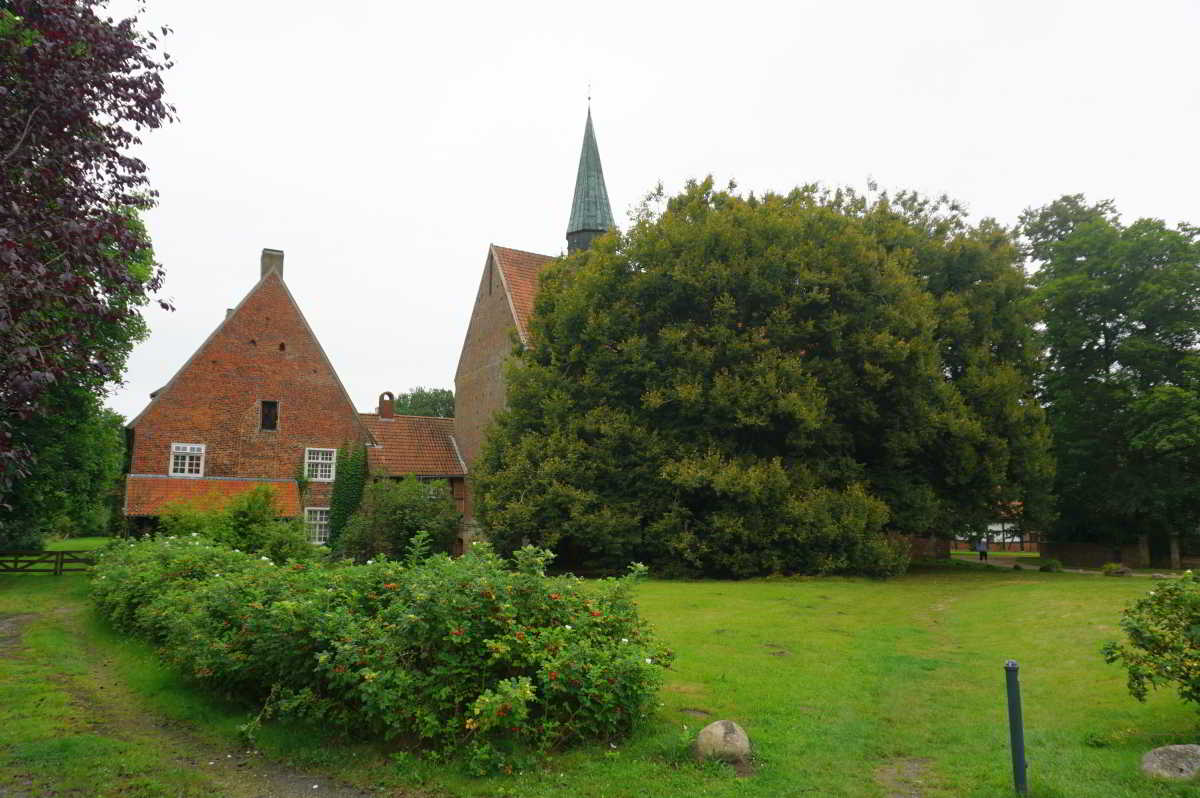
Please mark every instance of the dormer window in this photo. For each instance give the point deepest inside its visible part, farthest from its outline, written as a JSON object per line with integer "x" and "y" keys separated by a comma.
{"x": 319, "y": 464}
{"x": 187, "y": 459}
{"x": 270, "y": 415}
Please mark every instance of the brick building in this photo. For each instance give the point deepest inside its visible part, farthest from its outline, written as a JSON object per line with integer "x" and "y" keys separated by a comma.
{"x": 259, "y": 403}
{"x": 504, "y": 303}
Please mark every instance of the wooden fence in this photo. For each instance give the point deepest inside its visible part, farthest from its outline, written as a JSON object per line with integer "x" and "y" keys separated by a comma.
{"x": 45, "y": 562}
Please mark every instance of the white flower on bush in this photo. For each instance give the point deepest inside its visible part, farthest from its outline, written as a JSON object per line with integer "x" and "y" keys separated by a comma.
{"x": 649, "y": 661}
{"x": 624, "y": 639}
{"x": 567, "y": 627}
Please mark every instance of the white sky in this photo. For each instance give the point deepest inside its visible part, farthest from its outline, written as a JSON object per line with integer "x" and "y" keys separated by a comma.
{"x": 384, "y": 145}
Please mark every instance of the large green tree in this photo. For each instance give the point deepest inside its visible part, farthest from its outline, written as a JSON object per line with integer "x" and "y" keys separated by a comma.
{"x": 989, "y": 351}
{"x": 748, "y": 385}
{"x": 1121, "y": 305}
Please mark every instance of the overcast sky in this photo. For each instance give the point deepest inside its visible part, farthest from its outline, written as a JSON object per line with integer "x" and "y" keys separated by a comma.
{"x": 384, "y": 145}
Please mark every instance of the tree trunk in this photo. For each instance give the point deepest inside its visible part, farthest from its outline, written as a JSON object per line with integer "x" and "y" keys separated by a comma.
{"x": 1176, "y": 558}
{"x": 1143, "y": 551}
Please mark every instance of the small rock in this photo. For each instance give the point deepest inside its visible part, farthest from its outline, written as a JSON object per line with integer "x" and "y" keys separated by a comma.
{"x": 723, "y": 740}
{"x": 1178, "y": 762}
{"x": 1161, "y": 576}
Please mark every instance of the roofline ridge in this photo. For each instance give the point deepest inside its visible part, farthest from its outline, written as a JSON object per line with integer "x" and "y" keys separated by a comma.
{"x": 512, "y": 306}
{"x": 410, "y": 415}
{"x": 167, "y": 387}
{"x": 458, "y": 454}
{"x": 524, "y": 251}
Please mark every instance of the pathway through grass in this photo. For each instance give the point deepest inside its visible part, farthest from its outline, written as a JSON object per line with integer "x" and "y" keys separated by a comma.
{"x": 79, "y": 713}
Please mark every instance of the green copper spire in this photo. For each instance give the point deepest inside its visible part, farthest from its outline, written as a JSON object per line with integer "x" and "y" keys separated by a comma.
{"x": 591, "y": 215}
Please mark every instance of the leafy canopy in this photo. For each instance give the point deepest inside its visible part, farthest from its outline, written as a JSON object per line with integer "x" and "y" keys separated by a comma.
{"x": 420, "y": 401}
{"x": 393, "y": 512}
{"x": 748, "y": 385}
{"x": 1121, "y": 305}
{"x": 74, "y": 487}
{"x": 76, "y": 90}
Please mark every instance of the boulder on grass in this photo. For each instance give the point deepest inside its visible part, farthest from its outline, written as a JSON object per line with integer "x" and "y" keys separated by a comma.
{"x": 1178, "y": 762}
{"x": 723, "y": 740}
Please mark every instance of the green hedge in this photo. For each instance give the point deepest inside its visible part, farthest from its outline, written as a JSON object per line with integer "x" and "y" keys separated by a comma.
{"x": 478, "y": 655}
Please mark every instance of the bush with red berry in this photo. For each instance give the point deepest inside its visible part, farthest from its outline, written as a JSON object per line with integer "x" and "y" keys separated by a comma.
{"x": 479, "y": 655}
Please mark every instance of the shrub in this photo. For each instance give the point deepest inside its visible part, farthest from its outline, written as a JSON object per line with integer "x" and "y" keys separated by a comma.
{"x": 392, "y": 513}
{"x": 249, "y": 522}
{"x": 1114, "y": 569}
{"x": 1162, "y": 635}
{"x": 474, "y": 654}
{"x": 1050, "y": 564}
{"x": 1017, "y": 566}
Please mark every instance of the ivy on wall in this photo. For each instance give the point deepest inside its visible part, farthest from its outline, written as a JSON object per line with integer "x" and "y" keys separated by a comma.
{"x": 348, "y": 483}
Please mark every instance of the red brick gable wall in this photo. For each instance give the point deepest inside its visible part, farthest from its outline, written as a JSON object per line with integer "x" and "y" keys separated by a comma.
{"x": 479, "y": 390}
{"x": 263, "y": 351}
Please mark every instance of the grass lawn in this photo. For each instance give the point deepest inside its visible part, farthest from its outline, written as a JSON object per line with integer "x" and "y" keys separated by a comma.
{"x": 76, "y": 544}
{"x": 847, "y": 687}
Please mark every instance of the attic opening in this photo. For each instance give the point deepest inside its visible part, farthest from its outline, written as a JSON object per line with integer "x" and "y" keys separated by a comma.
{"x": 282, "y": 346}
{"x": 270, "y": 415}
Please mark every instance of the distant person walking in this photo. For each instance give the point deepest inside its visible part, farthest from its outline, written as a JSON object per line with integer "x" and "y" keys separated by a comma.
{"x": 981, "y": 547}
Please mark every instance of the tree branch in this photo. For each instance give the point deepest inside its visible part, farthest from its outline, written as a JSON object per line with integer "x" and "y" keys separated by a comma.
{"x": 21, "y": 138}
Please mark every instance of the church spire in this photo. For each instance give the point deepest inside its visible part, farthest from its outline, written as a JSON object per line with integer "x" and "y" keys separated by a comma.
{"x": 591, "y": 215}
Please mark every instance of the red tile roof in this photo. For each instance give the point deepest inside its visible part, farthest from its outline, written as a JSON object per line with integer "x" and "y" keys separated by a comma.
{"x": 148, "y": 494}
{"x": 520, "y": 273}
{"x": 413, "y": 445}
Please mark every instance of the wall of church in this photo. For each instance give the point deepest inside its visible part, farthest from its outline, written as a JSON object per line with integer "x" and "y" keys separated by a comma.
{"x": 479, "y": 391}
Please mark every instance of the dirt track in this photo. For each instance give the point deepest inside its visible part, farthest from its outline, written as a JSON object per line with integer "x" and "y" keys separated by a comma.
{"x": 109, "y": 708}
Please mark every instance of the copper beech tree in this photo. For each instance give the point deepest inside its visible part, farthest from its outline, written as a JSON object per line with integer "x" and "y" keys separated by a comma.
{"x": 76, "y": 92}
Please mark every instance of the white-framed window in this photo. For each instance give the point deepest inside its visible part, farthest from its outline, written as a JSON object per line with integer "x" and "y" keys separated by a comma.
{"x": 187, "y": 459}
{"x": 316, "y": 520}
{"x": 319, "y": 464}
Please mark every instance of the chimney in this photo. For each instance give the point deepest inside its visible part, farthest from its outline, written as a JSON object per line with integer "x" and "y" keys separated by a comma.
{"x": 272, "y": 259}
{"x": 387, "y": 405}
{"x": 228, "y": 312}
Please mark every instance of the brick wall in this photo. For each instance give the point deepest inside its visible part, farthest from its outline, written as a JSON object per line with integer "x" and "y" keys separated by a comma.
{"x": 926, "y": 548}
{"x": 1132, "y": 555}
{"x": 479, "y": 391}
{"x": 264, "y": 351}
